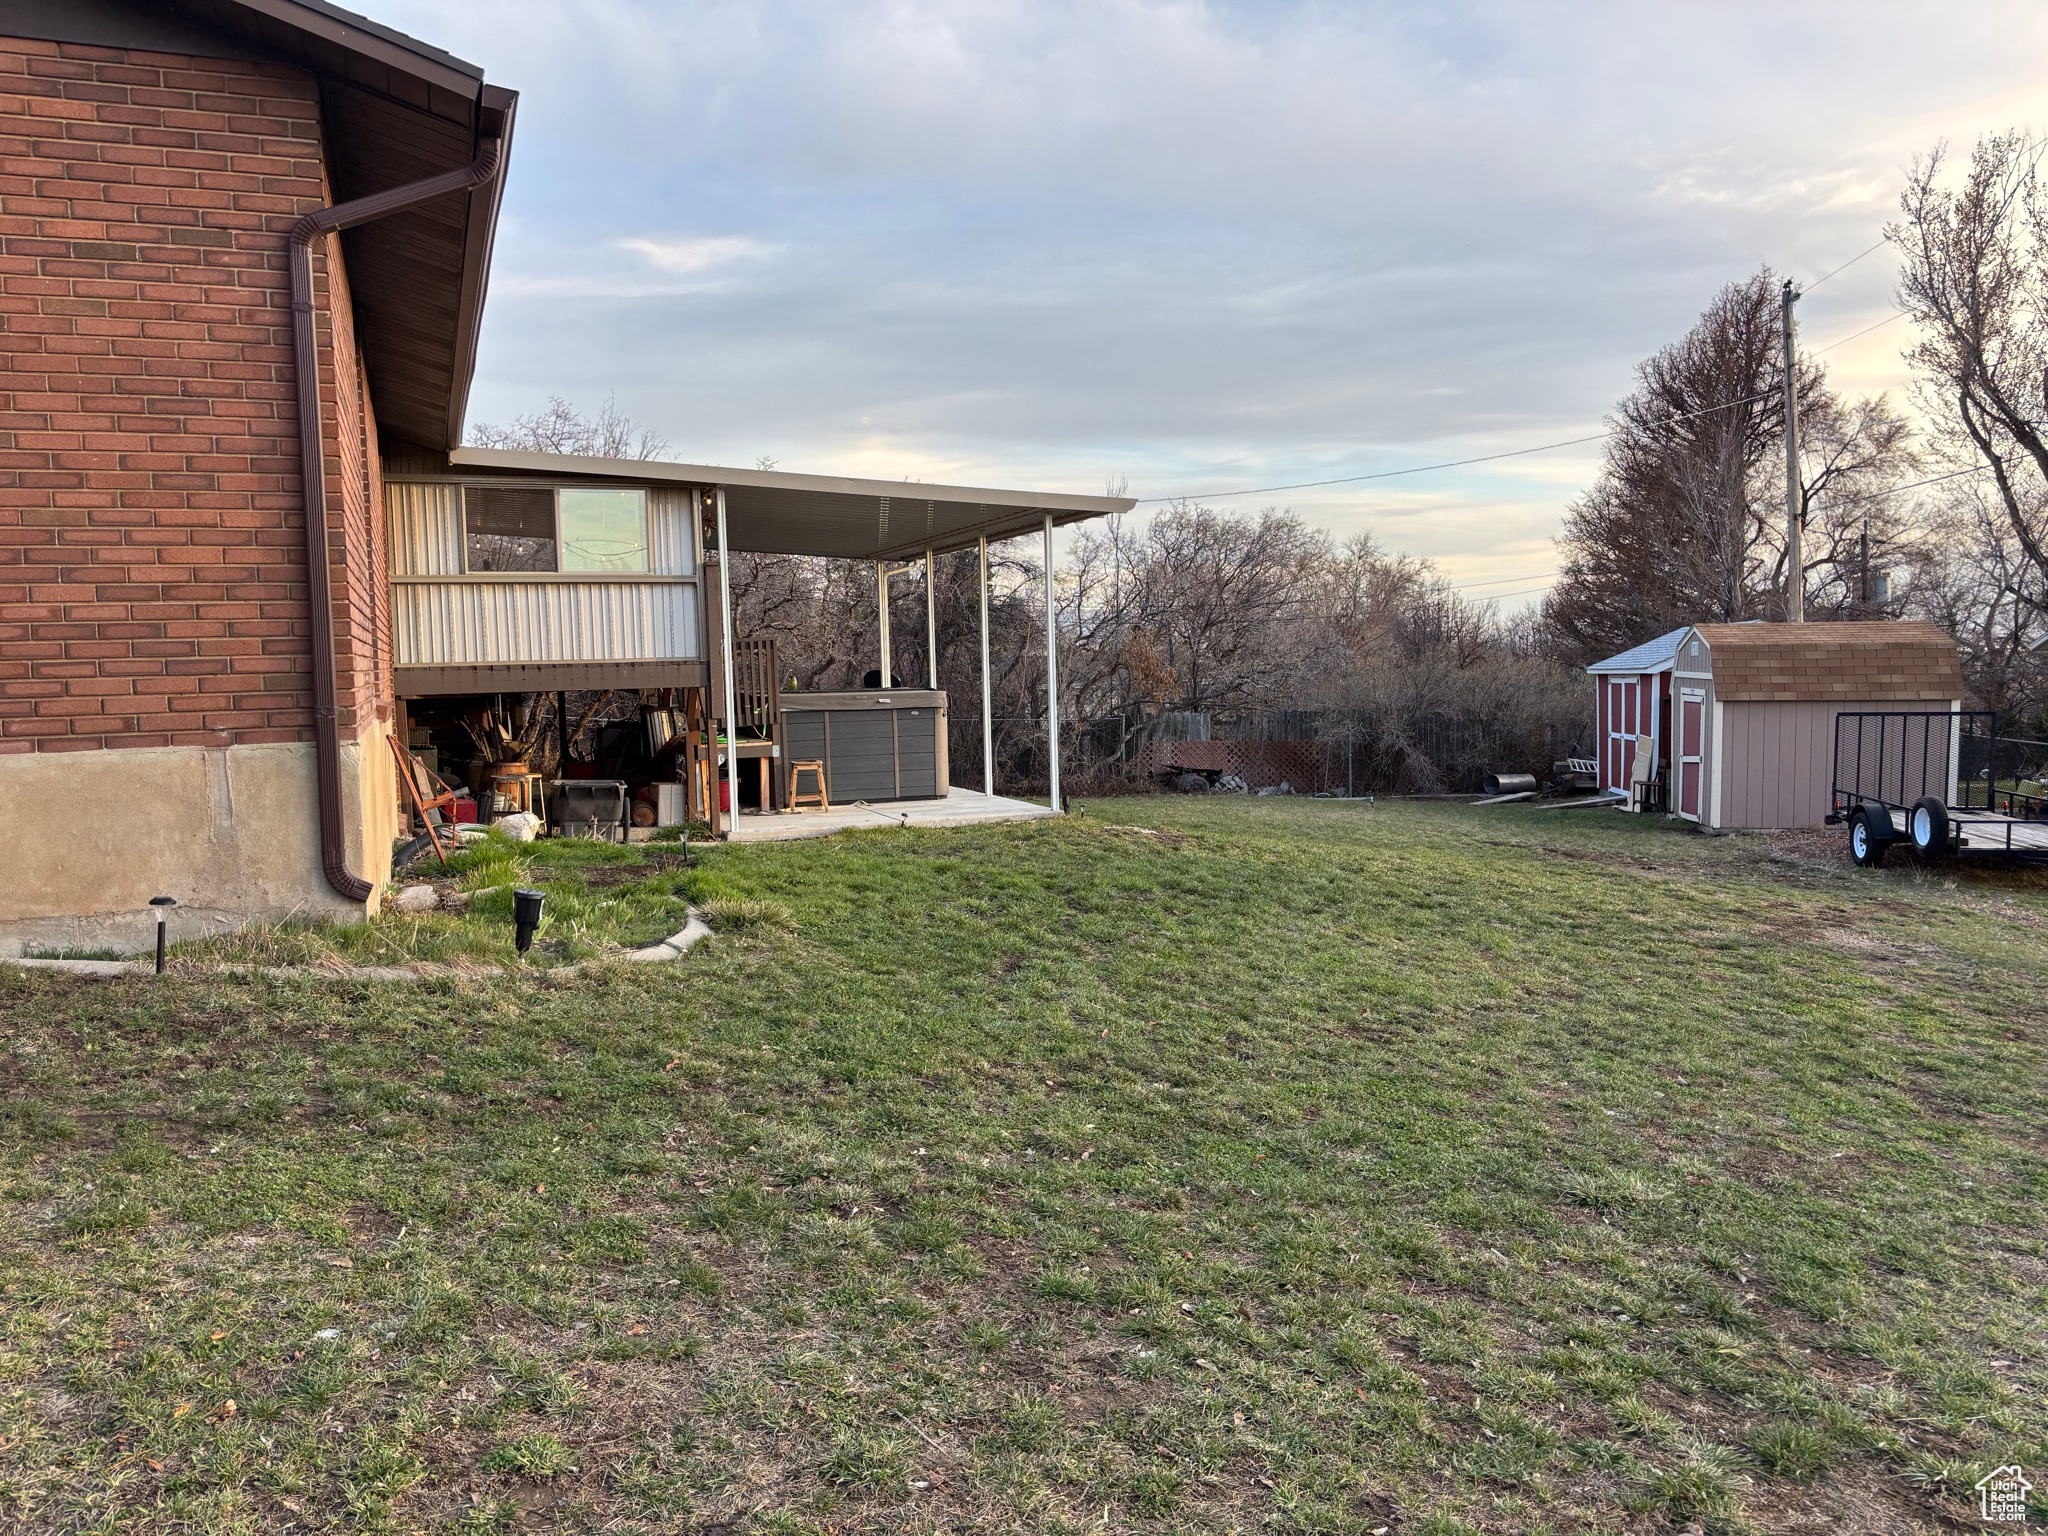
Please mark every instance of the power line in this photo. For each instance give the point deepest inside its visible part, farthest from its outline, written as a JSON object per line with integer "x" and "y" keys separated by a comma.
{"x": 1424, "y": 469}
{"x": 1517, "y": 453}
{"x": 1897, "y": 314}
{"x": 1955, "y": 474}
{"x": 1385, "y": 474}
{"x": 1497, "y": 581}
{"x": 1845, "y": 266}
{"x": 1849, "y": 501}
{"x": 1501, "y": 597}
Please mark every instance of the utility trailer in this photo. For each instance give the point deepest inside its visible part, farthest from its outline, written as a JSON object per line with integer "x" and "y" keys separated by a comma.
{"x": 1942, "y": 781}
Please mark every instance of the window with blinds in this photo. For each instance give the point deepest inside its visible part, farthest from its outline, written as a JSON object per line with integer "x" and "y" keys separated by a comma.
{"x": 508, "y": 528}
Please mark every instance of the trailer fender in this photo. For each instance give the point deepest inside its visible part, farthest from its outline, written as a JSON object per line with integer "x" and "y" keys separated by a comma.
{"x": 1870, "y": 835}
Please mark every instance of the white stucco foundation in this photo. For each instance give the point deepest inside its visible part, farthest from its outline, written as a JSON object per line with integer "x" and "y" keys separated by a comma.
{"x": 87, "y": 838}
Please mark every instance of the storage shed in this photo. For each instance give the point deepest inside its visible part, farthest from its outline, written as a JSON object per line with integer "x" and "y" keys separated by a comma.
{"x": 1754, "y": 710}
{"x": 1632, "y": 700}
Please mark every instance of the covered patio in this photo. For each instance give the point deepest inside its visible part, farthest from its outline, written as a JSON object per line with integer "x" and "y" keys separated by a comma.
{"x": 875, "y": 756}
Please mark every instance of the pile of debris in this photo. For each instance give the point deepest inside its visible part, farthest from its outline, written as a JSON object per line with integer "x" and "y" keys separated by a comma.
{"x": 1574, "y": 776}
{"x": 426, "y": 897}
{"x": 1223, "y": 784}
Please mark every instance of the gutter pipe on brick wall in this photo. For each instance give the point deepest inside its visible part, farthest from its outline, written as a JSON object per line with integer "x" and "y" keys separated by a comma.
{"x": 313, "y": 477}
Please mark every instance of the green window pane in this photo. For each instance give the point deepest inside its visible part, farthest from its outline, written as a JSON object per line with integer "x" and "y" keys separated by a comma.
{"x": 604, "y": 530}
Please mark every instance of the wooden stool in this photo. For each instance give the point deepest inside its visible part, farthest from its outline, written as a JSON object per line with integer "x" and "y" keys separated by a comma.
{"x": 797, "y": 799}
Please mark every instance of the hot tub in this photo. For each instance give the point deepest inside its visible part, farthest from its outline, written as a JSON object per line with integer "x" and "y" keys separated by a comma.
{"x": 875, "y": 743}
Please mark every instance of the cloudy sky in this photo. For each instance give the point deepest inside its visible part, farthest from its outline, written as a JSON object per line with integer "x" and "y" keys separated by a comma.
{"x": 1200, "y": 248}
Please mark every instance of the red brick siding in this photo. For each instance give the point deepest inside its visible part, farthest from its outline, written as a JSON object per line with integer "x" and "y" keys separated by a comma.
{"x": 356, "y": 534}
{"x": 152, "y": 571}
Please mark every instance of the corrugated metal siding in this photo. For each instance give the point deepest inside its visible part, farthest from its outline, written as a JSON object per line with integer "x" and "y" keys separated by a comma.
{"x": 426, "y": 528}
{"x": 672, "y": 542}
{"x": 470, "y": 622}
{"x": 462, "y": 623}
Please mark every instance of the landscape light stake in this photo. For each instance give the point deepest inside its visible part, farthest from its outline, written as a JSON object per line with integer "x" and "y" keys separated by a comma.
{"x": 525, "y": 917}
{"x": 163, "y": 905}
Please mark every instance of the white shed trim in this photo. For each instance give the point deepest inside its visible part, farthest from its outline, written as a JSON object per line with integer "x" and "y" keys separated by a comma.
{"x": 1719, "y": 732}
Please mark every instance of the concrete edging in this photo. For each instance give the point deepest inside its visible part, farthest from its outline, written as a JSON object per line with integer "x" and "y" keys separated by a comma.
{"x": 674, "y": 947}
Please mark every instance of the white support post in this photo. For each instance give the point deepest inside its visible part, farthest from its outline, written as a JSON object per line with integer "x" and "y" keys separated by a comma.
{"x": 1795, "y": 500}
{"x": 1052, "y": 669}
{"x": 882, "y": 616}
{"x": 988, "y": 704}
{"x": 931, "y": 626}
{"x": 732, "y": 710}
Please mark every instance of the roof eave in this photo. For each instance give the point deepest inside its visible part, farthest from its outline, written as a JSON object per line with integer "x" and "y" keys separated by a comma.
{"x": 499, "y": 108}
{"x": 782, "y": 480}
{"x": 1634, "y": 669}
{"x": 995, "y": 514}
{"x": 360, "y": 35}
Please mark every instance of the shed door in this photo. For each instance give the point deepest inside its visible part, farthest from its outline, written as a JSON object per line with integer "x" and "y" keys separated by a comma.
{"x": 1692, "y": 732}
{"x": 1626, "y": 718}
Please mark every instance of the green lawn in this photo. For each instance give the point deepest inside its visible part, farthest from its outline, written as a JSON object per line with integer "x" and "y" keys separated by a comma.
{"x": 1182, "y": 1166}
{"x": 602, "y": 899}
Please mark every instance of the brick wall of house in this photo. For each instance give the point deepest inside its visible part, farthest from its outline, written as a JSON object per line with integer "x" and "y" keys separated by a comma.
{"x": 152, "y": 573}
{"x": 359, "y": 575}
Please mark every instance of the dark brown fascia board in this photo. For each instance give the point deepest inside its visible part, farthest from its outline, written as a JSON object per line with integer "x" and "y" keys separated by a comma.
{"x": 360, "y": 35}
{"x": 499, "y": 107}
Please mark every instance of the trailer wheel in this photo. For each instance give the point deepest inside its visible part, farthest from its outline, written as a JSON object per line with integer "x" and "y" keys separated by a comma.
{"x": 1867, "y": 845}
{"x": 1929, "y": 824}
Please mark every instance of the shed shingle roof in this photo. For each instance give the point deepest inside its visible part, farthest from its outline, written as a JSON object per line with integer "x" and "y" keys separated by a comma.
{"x": 1835, "y": 663}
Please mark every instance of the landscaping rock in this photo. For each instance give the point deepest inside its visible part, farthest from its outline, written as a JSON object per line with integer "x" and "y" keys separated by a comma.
{"x": 455, "y": 901}
{"x": 520, "y": 826}
{"x": 416, "y": 898}
{"x": 1230, "y": 784}
{"x": 1282, "y": 788}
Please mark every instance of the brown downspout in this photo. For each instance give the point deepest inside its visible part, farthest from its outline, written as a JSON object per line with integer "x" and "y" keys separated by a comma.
{"x": 313, "y": 477}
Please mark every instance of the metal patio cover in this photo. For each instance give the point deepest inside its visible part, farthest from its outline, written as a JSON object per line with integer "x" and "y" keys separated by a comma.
{"x": 774, "y": 512}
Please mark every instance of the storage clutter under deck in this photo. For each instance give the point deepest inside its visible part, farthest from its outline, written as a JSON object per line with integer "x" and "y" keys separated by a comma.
{"x": 875, "y": 743}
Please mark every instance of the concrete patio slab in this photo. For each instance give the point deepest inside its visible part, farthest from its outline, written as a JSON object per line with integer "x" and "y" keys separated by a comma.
{"x": 960, "y": 808}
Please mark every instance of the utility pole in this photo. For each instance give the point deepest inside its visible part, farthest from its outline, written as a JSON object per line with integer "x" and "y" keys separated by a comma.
{"x": 1795, "y": 566}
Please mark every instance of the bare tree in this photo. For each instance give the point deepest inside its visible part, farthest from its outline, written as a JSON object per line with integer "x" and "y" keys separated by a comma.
{"x": 1976, "y": 280}
{"x": 1971, "y": 576}
{"x": 1686, "y": 521}
{"x": 1212, "y": 601}
{"x": 559, "y": 427}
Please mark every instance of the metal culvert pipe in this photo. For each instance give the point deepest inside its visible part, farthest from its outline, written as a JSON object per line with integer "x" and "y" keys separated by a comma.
{"x": 1510, "y": 783}
{"x": 313, "y": 477}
